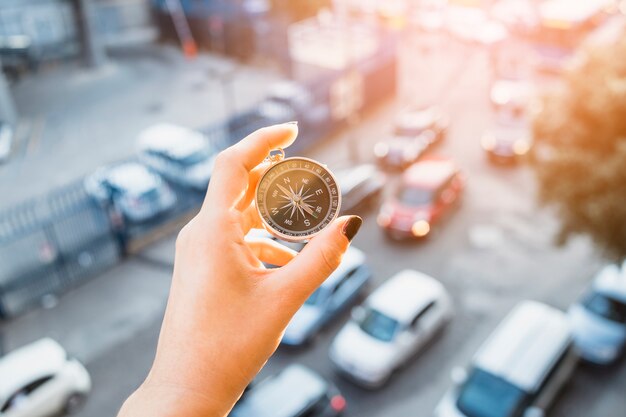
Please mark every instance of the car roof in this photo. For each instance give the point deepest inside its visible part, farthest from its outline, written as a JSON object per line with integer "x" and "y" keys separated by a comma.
{"x": 132, "y": 177}
{"x": 22, "y": 366}
{"x": 284, "y": 394}
{"x": 348, "y": 178}
{"x": 430, "y": 172}
{"x": 526, "y": 344}
{"x": 570, "y": 11}
{"x": 611, "y": 281}
{"x": 286, "y": 90}
{"x": 405, "y": 294}
{"x": 351, "y": 259}
{"x": 173, "y": 140}
{"x": 418, "y": 117}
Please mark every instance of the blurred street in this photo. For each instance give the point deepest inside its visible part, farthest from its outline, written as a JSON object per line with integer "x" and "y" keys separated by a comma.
{"x": 494, "y": 252}
{"x": 139, "y": 87}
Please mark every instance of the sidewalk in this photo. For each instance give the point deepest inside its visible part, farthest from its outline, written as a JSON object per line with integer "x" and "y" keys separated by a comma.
{"x": 74, "y": 119}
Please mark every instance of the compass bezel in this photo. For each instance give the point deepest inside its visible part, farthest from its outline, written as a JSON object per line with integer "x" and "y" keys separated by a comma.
{"x": 305, "y": 235}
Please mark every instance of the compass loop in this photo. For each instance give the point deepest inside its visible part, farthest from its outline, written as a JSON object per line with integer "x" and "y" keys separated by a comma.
{"x": 275, "y": 155}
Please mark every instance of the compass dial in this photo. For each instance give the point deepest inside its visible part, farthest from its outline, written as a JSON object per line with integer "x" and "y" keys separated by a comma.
{"x": 296, "y": 198}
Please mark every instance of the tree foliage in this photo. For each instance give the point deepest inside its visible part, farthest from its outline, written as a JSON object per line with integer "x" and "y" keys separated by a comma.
{"x": 580, "y": 148}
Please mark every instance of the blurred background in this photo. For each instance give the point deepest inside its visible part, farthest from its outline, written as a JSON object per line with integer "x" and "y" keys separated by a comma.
{"x": 482, "y": 141}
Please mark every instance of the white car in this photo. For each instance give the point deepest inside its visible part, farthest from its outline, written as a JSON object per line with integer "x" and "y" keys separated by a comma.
{"x": 599, "y": 318}
{"x": 40, "y": 380}
{"x": 6, "y": 141}
{"x": 183, "y": 156}
{"x": 138, "y": 193}
{"x": 391, "y": 326}
{"x": 520, "y": 369}
{"x": 513, "y": 95}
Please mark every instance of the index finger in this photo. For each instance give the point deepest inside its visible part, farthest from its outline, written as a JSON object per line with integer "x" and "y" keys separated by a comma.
{"x": 230, "y": 174}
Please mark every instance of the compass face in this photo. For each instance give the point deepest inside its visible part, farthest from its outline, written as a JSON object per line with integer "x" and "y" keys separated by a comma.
{"x": 296, "y": 198}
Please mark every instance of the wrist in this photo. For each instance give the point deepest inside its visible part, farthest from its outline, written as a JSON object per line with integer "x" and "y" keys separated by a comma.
{"x": 165, "y": 400}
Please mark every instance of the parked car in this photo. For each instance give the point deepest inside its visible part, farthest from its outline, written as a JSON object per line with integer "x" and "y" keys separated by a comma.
{"x": 296, "y": 391}
{"x": 519, "y": 370}
{"x": 419, "y": 119}
{"x": 429, "y": 189}
{"x": 361, "y": 186}
{"x": 133, "y": 190}
{"x": 508, "y": 142}
{"x": 391, "y": 326}
{"x": 399, "y": 152}
{"x": 183, "y": 156}
{"x": 599, "y": 318}
{"x": 335, "y": 294}
{"x": 6, "y": 141}
{"x": 40, "y": 380}
{"x": 513, "y": 95}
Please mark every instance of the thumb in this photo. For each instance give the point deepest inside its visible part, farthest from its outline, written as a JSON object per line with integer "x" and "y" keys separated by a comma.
{"x": 320, "y": 257}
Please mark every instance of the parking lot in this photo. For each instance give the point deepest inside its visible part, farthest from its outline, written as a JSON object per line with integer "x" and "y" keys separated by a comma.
{"x": 495, "y": 251}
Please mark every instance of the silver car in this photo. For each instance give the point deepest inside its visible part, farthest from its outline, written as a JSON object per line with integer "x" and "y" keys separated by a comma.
{"x": 183, "y": 156}
{"x": 599, "y": 318}
{"x": 132, "y": 189}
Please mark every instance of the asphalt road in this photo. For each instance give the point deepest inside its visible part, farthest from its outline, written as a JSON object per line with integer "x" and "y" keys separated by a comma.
{"x": 495, "y": 251}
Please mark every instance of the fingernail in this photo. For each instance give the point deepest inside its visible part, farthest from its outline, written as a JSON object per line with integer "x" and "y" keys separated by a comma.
{"x": 293, "y": 122}
{"x": 351, "y": 227}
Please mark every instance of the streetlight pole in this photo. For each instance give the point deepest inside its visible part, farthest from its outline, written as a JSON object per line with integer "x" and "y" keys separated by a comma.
{"x": 93, "y": 50}
{"x": 7, "y": 108}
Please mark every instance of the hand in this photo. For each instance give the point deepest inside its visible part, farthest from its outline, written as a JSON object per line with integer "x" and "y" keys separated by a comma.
{"x": 226, "y": 313}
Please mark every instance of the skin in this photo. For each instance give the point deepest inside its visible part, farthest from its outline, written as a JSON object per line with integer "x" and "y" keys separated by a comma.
{"x": 226, "y": 313}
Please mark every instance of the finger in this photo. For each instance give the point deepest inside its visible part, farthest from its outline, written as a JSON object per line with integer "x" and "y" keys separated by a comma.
{"x": 270, "y": 251}
{"x": 253, "y": 180}
{"x": 250, "y": 219}
{"x": 232, "y": 166}
{"x": 319, "y": 258}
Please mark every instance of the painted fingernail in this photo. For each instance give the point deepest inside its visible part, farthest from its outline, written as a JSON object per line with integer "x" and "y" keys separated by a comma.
{"x": 351, "y": 227}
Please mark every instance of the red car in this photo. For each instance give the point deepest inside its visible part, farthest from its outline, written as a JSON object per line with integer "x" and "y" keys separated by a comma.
{"x": 429, "y": 189}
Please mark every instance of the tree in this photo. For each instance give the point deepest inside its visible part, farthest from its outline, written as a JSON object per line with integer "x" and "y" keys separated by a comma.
{"x": 580, "y": 148}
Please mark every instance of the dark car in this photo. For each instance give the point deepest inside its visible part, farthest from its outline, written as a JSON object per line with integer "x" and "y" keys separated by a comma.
{"x": 417, "y": 120}
{"x": 507, "y": 142}
{"x": 296, "y": 391}
{"x": 400, "y": 152}
{"x": 429, "y": 189}
{"x": 361, "y": 187}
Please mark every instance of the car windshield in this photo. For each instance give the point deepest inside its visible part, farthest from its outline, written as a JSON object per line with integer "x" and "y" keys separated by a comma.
{"x": 486, "y": 395}
{"x": 379, "y": 326}
{"x": 196, "y": 157}
{"x": 414, "y": 196}
{"x": 313, "y": 298}
{"x": 606, "y": 307}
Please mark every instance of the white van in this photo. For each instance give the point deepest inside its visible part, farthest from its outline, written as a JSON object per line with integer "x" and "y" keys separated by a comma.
{"x": 519, "y": 369}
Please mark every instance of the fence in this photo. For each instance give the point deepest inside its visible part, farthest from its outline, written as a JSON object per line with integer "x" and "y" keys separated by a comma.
{"x": 49, "y": 245}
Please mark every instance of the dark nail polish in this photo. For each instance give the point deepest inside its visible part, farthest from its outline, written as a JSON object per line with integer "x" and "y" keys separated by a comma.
{"x": 351, "y": 227}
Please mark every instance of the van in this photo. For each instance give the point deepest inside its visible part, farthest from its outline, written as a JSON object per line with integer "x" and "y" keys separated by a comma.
{"x": 519, "y": 370}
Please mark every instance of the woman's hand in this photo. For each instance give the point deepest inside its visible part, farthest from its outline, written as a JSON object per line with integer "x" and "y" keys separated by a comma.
{"x": 226, "y": 313}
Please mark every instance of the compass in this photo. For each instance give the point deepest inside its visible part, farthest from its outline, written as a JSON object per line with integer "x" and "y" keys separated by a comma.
{"x": 297, "y": 197}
